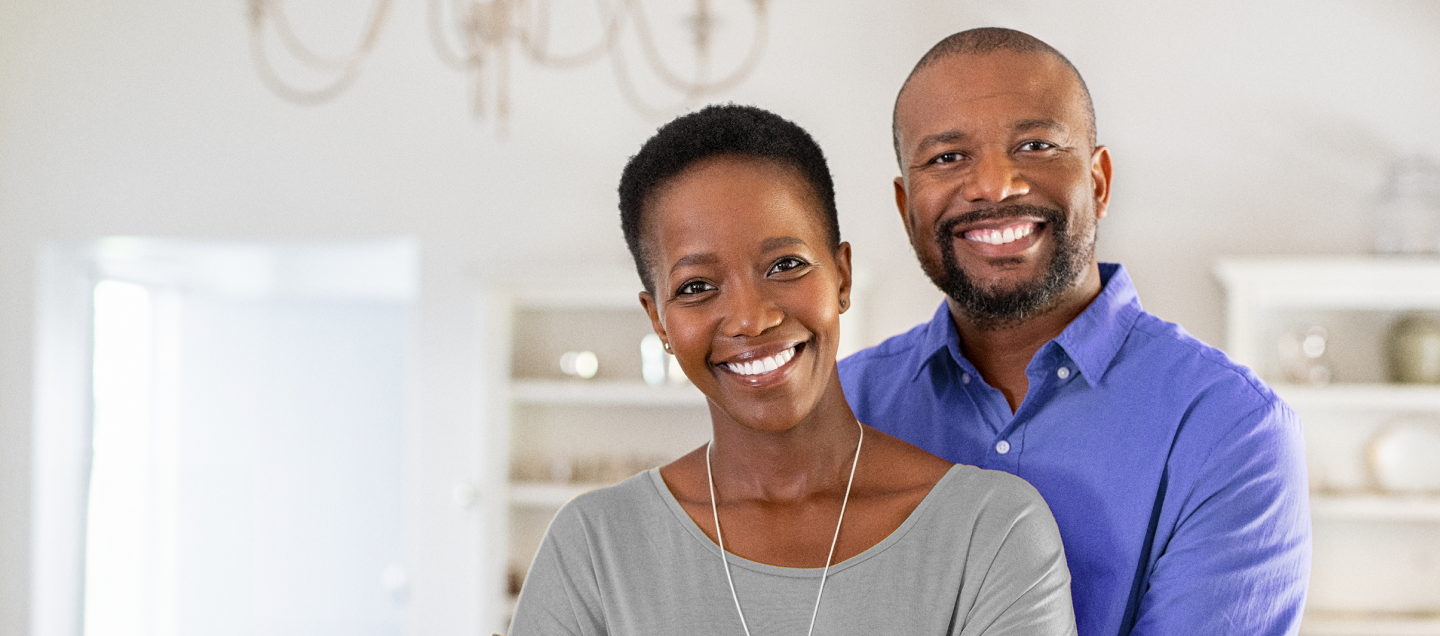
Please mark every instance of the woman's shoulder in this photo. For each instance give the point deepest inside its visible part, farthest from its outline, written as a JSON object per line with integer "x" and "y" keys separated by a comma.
{"x": 971, "y": 494}
{"x": 632, "y": 501}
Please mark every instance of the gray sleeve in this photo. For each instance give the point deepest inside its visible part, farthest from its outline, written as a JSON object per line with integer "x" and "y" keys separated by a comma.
{"x": 1017, "y": 569}
{"x": 561, "y": 594}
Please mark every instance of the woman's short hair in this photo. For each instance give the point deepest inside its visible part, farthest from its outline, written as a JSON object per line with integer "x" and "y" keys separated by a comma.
{"x": 720, "y": 130}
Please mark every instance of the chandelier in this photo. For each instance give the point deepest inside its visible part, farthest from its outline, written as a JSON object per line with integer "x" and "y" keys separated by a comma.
{"x": 480, "y": 39}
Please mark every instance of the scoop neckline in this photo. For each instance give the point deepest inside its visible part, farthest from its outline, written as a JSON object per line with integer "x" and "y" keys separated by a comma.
{"x": 683, "y": 518}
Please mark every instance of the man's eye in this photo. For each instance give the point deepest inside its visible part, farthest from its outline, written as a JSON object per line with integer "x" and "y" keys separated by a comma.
{"x": 947, "y": 157}
{"x": 1034, "y": 146}
{"x": 786, "y": 264}
{"x": 694, "y": 287}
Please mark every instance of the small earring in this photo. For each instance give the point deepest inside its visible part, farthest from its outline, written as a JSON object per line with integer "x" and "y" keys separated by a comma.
{"x": 844, "y": 303}
{"x": 667, "y": 348}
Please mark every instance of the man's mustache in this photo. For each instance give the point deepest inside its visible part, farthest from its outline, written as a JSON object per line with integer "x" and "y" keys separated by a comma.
{"x": 1051, "y": 216}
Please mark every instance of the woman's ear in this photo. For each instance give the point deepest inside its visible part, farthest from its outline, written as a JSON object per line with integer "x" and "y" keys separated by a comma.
{"x": 652, "y": 309}
{"x": 842, "y": 267}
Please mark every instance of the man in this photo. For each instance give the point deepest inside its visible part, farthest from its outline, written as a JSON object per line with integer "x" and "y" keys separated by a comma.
{"x": 1177, "y": 477}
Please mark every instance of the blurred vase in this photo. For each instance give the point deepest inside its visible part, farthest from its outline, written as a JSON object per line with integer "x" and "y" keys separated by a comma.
{"x": 1413, "y": 347}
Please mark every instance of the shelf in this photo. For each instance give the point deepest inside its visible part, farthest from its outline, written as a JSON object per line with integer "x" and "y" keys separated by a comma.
{"x": 1376, "y": 507}
{"x": 546, "y": 495}
{"x": 1343, "y": 282}
{"x": 604, "y": 393}
{"x": 1376, "y": 396}
{"x": 1337, "y": 624}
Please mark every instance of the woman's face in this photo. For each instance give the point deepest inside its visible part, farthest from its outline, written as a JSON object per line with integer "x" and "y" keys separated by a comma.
{"x": 748, "y": 293}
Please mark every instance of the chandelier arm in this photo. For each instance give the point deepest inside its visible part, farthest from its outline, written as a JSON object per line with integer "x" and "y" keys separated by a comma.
{"x": 631, "y": 95}
{"x": 536, "y": 51}
{"x": 274, "y": 12}
{"x": 441, "y": 42}
{"x": 752, "y": 59}
{"x": 288, "y": 92}
{"x": 669, "y": 77}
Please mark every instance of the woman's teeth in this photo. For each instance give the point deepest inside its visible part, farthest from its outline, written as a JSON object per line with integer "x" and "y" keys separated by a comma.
{"x": 763, "y": 365}
{"x": 1003, "y": 236}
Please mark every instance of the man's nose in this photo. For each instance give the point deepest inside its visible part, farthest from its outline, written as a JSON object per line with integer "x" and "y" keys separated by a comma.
{"x": 994, "y": 178}
{"x": 749, "y": 311}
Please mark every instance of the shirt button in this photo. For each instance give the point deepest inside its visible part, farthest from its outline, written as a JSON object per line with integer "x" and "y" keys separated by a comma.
{"x": 1063, "y": 372}
{"x": 1002, "y": 447}
{"x": 964, "y": 378}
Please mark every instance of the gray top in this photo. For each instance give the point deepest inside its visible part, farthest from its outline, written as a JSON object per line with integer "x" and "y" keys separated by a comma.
{"x": 979, "y": 555}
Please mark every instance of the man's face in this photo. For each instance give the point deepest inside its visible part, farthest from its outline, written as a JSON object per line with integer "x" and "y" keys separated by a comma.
{"x": 1000, "y": 189}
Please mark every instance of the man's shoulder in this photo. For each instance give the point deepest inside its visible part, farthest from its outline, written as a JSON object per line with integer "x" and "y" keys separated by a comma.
{"x": 1167, "y": 350}
{"x": 888, "y": 356}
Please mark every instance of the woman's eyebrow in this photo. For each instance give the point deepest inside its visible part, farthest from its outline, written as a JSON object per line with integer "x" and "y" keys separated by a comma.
{"x": 703, "y": 258}
{"x": 777, "y": 242}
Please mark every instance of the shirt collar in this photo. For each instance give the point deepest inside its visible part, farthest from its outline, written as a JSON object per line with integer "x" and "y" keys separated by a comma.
{"x": 1095, "y": 336}
{"x": 1091, "y": 340}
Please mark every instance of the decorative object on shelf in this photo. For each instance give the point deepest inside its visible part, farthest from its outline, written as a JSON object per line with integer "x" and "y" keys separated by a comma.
{"x": 656, "y": 364}
{"x": 579, "y": 364}
{"x": 652, "y": 360}
{"x": 480, "y": 38}
{"x": 1410, "y": 209}
{"x": 596, "y": 468}
{"x": 1404, "y": 457}
{"x": 1413, "y": 349}
{"x": 1302, "y": 356}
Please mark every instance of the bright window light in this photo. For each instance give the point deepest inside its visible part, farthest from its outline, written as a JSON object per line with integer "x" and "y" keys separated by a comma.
{"x": 120, "y": 546}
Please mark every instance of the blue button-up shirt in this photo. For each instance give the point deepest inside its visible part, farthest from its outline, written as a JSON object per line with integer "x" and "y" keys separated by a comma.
{"x": 1176, "y": 476}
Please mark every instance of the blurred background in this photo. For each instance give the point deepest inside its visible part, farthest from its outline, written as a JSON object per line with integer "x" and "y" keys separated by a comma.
{"x": 337, "y": 248}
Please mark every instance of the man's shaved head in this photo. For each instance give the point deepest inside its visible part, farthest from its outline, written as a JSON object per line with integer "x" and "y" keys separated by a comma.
{"x": 980, "y": 42}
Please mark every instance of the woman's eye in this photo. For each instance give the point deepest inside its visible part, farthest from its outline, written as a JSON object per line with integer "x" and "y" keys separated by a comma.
{"x": 694, "y": 287}
{"x": 786, "y": 264}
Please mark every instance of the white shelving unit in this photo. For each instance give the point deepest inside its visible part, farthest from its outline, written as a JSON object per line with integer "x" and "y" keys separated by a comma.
{"x": 1377, "y": 555}
{"x": 553, "y": 420}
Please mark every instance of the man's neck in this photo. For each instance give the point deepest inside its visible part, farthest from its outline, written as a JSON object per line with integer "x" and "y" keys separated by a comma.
{"x": 1002, "y": 354}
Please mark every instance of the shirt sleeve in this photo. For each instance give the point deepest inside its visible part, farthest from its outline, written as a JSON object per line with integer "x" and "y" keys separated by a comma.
{"x": 561, "y": 595}
{"x": 1022, "y": 586}
{"x": 1238, "y": 562}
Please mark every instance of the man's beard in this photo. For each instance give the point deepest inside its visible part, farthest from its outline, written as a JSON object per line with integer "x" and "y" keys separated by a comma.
{"x": 991, "y": 308}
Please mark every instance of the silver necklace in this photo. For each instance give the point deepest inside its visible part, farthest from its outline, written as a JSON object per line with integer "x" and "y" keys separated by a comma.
{"x": 710, "y": 476}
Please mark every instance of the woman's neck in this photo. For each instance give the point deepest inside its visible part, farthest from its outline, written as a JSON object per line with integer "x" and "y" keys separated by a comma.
{"x": 796, "y": 463}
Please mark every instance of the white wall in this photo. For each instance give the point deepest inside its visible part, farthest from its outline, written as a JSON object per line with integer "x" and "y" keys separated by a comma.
{"x": 1237, "y": 128}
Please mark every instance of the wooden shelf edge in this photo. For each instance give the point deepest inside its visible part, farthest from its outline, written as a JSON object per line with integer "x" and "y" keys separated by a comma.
{"x": 1380, "y": 507}
{"x": 547, "y": 495}
{"x": 603, "y": 392}
{"x": 1358, "y": 395}
{"x": 1321, "y": 623}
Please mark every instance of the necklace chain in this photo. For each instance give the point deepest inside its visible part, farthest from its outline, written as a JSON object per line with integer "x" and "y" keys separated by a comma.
{"x": 710, "y": 476}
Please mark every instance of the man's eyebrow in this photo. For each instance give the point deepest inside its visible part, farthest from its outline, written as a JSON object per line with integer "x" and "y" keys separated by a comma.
{"x": 947, "y": 137}
{"x": 777, "y": 242}
{"x": 1032, "y": 124}
{"x": 703, "y": 258}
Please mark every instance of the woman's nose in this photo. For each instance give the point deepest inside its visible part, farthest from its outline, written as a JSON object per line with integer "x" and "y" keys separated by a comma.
{"x": 994, "y": 178}
{"x": 749, "y": 312}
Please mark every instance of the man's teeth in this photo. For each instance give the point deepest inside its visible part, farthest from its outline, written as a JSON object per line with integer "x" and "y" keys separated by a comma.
{"x": 1001, "y": 237}
{"x": 763, "y": 365}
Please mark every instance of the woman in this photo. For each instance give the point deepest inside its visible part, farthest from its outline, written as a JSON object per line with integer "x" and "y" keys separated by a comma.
{"x": 795, "y": 518}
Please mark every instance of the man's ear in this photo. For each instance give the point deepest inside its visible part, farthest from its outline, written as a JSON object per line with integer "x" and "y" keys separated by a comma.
{"x": 652, "y": 309}
{"x": 1100, "y": 174}
{"x": 901, "y": 201}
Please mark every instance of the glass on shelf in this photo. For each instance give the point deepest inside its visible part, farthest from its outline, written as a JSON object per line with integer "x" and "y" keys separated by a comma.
{"x": 1413, "y": 348}
{"x": 1303, "y": 357}
{"x": 579, "y": 364}
{"x": 1410, "y": 208}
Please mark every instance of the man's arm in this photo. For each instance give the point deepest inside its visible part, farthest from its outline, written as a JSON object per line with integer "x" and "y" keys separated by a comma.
{"x": 1238, "y": 560}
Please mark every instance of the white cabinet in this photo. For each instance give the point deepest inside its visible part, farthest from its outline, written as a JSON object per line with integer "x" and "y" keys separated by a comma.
{"x": 1377, "y": 552}
{"x": 567, "y": 435}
